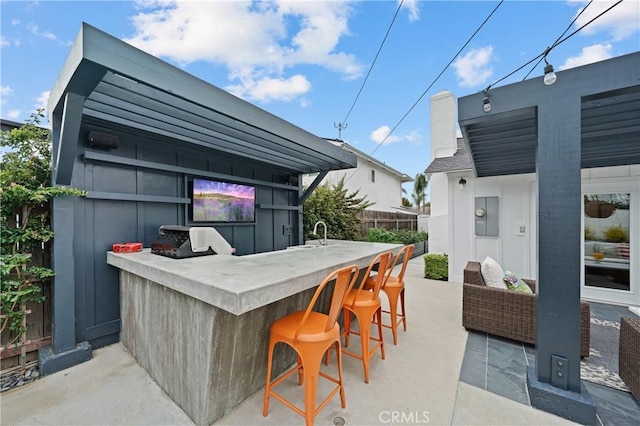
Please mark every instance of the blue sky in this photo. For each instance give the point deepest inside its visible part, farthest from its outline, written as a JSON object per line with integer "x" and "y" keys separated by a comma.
{"x": 305, "y": 61}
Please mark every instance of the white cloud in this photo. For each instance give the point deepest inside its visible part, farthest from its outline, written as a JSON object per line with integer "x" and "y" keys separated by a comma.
{"x": 256, "y": 41}
{"x": 413, "y": 136}
{"x": 267, "y": 89}
{"x": 412, "y": 7}
{"x": 621, "y": 22}
{"x": 589, "y": 54}
{"x": 5, "y": 91}
{"x": 36, "y": 31}
{"x": 15, "y": 22}
{"x": 381, "y": 136}
{"x": 42, "y": 100}
{"x": 5, "y": 42}
{"x": 14, "y": 114}
{"x": 32, "y": 5}
{"x": 304, "y": 102}
{"x": 474, "y": 69}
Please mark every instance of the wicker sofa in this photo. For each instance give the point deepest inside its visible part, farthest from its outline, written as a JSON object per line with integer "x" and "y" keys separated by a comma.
{"x": 629, "y": 354}
{"x": 507, "y": 313}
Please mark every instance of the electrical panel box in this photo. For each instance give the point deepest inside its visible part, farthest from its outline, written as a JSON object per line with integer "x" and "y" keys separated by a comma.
{"x": 486, "y": 216}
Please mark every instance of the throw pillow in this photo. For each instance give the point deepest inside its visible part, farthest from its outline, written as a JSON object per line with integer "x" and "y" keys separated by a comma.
{"x": 492, "y": 273}
{"x": 515, "y": 283}
{"x": 623, "y": 250}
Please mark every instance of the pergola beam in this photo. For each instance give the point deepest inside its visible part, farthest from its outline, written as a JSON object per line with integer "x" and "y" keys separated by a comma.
{"x": 555, "y": 383}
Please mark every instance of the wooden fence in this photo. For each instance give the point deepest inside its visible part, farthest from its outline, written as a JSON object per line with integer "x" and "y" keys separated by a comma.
{"x": 24, "y": 351}
{"x": 386, "y": 220}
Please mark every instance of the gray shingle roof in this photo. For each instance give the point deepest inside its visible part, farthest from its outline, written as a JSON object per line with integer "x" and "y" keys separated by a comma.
{"x": 458, "y": 162}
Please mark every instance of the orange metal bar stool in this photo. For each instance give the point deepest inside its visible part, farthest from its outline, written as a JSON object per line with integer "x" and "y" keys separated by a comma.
{"x": 365, "y": 304}
{"x": 311, "y": 334}
{"x": 394, "y": 289}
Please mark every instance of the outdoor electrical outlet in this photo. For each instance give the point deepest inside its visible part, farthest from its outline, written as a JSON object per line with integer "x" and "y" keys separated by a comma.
{"x": 559, "y": 372}
{"x": 287, "y": 229}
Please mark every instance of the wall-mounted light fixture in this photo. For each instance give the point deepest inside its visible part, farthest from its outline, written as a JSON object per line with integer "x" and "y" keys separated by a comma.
{"x": 549, "y": 76}
{"x": 461, "y": 183}
{"x": 486, "y": 105}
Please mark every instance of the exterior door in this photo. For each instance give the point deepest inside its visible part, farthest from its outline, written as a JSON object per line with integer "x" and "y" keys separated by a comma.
{"x": 610, "y": 244}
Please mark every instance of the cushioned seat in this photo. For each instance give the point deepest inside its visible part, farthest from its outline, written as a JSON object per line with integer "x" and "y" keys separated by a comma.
{"x": 508, "y": 313}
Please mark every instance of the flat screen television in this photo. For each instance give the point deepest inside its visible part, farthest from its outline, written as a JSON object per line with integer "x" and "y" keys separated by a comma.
{"x": 218, "y": 201}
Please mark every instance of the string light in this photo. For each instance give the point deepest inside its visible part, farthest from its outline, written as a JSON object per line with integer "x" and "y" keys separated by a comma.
{"x": 550, "y": 77}
{"x": 486, "y": 105}
{"x": 557, "y": 43}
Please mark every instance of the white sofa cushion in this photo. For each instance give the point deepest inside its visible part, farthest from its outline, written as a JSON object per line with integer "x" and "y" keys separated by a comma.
{"x": 492, "y": 273}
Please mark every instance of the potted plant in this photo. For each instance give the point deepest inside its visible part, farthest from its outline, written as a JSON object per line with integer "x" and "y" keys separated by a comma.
{"x": 589, "y": 235}
{"x": 616, "y": 234}
{"x": 436, "y": 267}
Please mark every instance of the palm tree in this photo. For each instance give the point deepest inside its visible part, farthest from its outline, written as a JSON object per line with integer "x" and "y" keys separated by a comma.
{"x": 419, "y": 186}
{"x": 405, "y": 201}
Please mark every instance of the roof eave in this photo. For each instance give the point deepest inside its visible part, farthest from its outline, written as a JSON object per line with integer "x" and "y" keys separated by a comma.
{"x": 97, "y": 56}
{"x": 507, "y": 135}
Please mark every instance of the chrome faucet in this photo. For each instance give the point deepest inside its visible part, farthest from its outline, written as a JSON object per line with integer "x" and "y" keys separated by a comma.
{"x": 315, "y": 229}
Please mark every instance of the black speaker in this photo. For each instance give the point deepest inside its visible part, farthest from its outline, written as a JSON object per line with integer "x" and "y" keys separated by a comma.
{"x": 103, "y": 140}
{"x": 290, "y": 180}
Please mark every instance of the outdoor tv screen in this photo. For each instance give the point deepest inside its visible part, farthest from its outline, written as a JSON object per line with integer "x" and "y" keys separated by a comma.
{"x": 216, "y": 201}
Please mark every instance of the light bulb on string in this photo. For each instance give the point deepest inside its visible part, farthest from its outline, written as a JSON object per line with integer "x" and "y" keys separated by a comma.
{"x": 486, "y": 104}
{"x": 550, "y": 77}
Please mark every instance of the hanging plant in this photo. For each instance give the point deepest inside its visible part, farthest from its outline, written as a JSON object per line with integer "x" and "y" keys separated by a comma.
{"x": 598, "y": 209}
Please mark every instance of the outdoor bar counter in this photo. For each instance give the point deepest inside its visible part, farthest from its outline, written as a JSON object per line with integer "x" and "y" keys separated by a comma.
{"x": 200, "y": 326}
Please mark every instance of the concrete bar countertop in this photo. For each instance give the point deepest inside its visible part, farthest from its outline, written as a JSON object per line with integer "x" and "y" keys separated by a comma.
{"x": 239, "y": 284}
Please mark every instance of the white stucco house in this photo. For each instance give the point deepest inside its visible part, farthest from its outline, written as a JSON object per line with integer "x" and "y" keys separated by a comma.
{"x": 381, "y": 183}
{"x": 474, "y": 217}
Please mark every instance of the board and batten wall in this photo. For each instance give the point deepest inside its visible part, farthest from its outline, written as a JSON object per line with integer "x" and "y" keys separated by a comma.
{"x": 517, "y": 196}
{"x": 141, "y": 185}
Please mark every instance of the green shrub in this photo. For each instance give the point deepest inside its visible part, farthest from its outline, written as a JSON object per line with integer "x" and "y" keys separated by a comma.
{"x": 589, "y": 234}
{"x": 399, "y": 236}
{"x": 379, "y": 235}
{"x": 436, "y": 266}
{"x": 616, "y": 234}
{"x": 410, "y": 237}
{"x": 338, "y": 208}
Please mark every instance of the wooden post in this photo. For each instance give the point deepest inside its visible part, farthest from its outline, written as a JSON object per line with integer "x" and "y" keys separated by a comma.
{"x": 23, "y": 337}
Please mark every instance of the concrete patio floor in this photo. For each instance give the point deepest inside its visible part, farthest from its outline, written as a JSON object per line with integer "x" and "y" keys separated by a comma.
{"x": 417, "y": 383}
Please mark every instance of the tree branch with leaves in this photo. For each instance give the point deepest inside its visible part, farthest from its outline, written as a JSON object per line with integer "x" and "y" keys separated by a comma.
{"x": 419, "y": 187}
{"x": 25, "y": 195}
{"x": 338, "y": 208}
